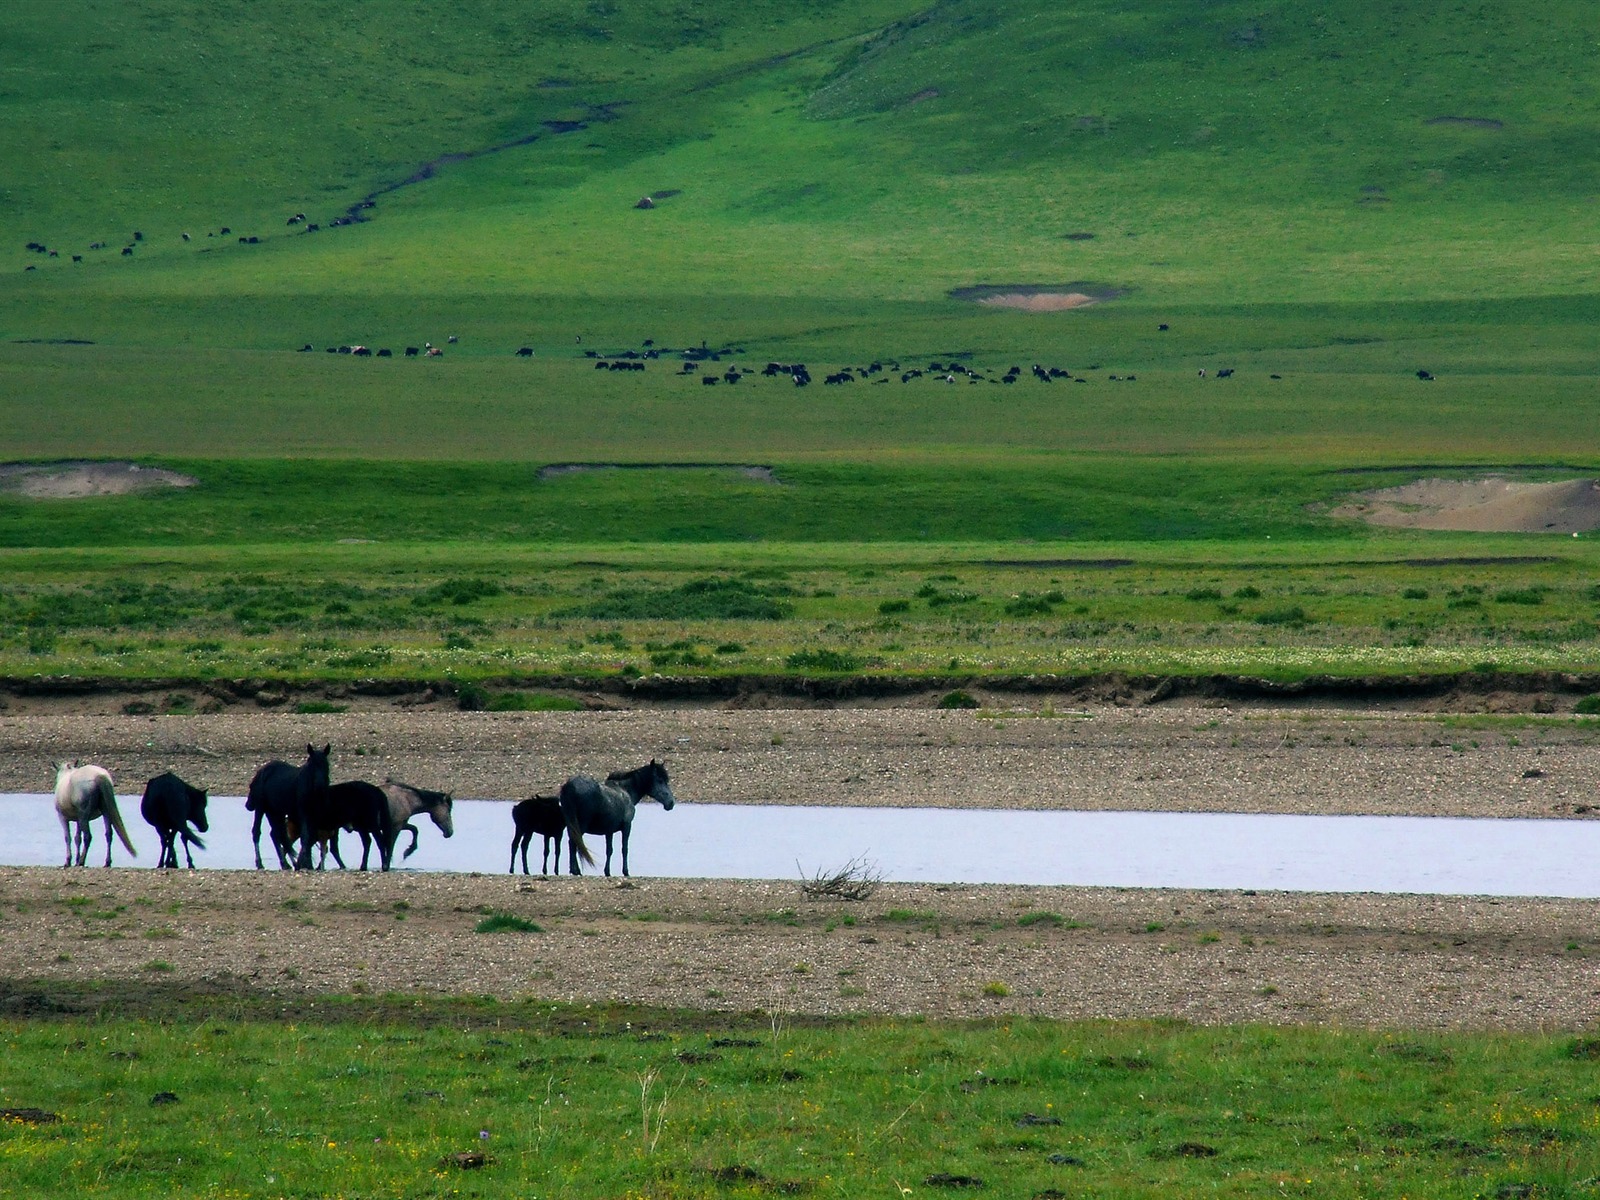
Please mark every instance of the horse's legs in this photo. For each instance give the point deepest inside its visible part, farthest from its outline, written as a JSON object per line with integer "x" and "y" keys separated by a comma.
{"x": 106, "y": 821}
{"x": 410, "y": 828}
{"x": 516, "y": 840}
{"x": 608, "y": 854}
{"x": 255, "y": 836}
{"x": 626, "y": 830}
{"x": 187, "y": 853}
{"x": 572, "y": 858}
{"x": 85, "y": 840}
{"x": 366, "y": 847}
{"x": 66, "y": 834}
{"x": 385, "y": 851}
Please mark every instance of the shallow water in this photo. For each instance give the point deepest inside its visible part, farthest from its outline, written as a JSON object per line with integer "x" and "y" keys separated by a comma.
{"x": 1106, "y": 849}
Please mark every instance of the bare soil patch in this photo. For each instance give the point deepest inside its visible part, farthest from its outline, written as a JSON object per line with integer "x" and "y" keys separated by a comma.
{"x": 75, "y": 480}
{"x": 1494, "y": 504}
{"x": 1035, "y": 297}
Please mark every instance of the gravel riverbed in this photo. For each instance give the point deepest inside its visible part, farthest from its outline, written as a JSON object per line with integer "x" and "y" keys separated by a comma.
{"x": 1384, "y": 961}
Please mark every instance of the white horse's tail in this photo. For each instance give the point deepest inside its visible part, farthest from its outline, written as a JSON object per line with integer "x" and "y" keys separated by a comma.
{"x": 108, "y": 801}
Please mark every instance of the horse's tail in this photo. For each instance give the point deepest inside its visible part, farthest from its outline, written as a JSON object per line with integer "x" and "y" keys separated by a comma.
{"x": 108, "y": 801}
{"x": 575, "y": 838}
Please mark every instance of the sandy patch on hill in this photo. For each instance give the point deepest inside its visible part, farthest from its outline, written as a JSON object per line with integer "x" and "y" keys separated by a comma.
{"x": 75, "y": 480}
{"x": 1492, "y": 505}
{"x": 1036, "y": 297}
{"x": 1040, "y": 302}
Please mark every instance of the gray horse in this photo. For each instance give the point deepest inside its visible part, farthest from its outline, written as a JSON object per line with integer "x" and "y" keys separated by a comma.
{"x": 406, "y": 802}
{"x": 590, "y": 806}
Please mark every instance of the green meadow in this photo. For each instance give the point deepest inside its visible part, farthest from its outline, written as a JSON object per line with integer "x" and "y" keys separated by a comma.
{"x": 362, "y": 1098}
{"x": 1324, "y": 201}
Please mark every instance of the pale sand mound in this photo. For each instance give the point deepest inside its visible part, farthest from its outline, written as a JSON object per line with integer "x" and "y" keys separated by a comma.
{"x": 1493, "y": 505}
{"x": 75, "y": 480}
{"x": 1040, "y": 301}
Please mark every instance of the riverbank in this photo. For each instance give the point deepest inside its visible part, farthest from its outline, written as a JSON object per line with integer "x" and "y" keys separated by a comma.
{"x": 1171, "y": 757}
{"x": 961, "y": 952}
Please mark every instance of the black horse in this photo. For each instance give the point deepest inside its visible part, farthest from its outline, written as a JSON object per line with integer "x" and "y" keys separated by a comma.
{"x": 278, "y": 794}
{"x": 357, "y": 806}
{"x": 590, "y": 806}
{"x": 171, "y": 805}
{"x": 541, "y": 815}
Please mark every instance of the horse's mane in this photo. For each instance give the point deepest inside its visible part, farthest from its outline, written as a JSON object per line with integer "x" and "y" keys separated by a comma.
{"x": 423, "y": 794}
{"x": 618, "y": 776}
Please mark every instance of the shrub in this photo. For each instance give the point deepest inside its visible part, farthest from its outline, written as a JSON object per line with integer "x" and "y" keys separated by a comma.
{"x": 1055, "y": 920}
{"x": 532, "y": 702}
{"x": 1589, "y": 706}
{"x": 505, "y": 922}
{"x": 458, "y": 591}
{"x": 1520, "y": 596}
{"x": 996, "y": 989}
{"x": 697, "y": 600}
{"x": 1027, "y": 605}
{"x": 1292, "y": 614}
{"x": 894, "y": 606}
{"x": 823, "y": 660}
{"x": 1415, "y": 593}
{"x": 308, "y": 707}
{"x": 958, "y": 699}
{"x": 470, "y": 697}
{"x": 1206, "y": 593}
{"x": 1248, "y": 592}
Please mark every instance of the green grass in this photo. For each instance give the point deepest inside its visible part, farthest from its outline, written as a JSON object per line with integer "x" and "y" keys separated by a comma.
{"x": 355, "y": 1098}
{"x": 507, "y": 923}
{"x": 509, "y": 623}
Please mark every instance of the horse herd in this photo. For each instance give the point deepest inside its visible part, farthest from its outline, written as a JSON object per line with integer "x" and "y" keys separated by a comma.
{"x": 304, "y": 811}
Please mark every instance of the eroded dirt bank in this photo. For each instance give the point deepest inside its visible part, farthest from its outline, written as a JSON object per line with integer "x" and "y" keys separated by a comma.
{"x": 1210, "y": 957}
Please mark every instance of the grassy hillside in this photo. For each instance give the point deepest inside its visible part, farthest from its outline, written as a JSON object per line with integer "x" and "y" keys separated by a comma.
{"x": 1326, "y": 200}
{"x": 864, "y": 152}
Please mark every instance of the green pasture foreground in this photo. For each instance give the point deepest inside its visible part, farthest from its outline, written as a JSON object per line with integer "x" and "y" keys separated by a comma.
{"x": 356, "y": 1100}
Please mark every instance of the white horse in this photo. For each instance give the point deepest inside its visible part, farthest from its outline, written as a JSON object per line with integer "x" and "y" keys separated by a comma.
{"x": 82, "y": 794}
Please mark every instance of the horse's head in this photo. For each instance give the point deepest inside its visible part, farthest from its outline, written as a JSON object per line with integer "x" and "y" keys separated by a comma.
{"x": 660, "y": 786}
{"x": 316, "y": 773}
{"x": 441, "y": 811}
{"x": 197, "y": 808}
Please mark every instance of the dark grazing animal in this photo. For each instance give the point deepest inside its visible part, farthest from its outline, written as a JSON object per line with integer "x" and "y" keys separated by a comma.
{"x": 171, "y": 806}
{"x": 541, "y": 815}
{"x": 590, "y": 806}
{"x": 356, "y": 805}
{"x": 525, "y": 352}
{"x": 278, "y": 794}
{"x": 406, "y": 802}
